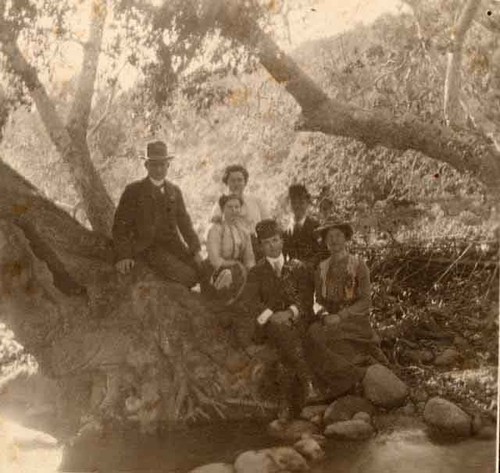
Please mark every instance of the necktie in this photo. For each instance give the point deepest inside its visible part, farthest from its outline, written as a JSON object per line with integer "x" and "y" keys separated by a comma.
{"x": 296, "y": 228}
{"x": 277, "y": 268}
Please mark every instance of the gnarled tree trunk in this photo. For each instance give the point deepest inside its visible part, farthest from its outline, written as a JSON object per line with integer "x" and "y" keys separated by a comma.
{"x": 70, "y": 140}
{"x": 121, "y": 348}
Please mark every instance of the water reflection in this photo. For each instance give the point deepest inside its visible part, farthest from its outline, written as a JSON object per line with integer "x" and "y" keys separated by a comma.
{"x": 411, "y": 451}
{"x": 401, "y": 451}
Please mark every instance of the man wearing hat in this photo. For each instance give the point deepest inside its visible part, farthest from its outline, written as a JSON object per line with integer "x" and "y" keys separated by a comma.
{"x": 150, "y": 220}
{"x": 300, "y": 239}
{"x": 278, "y": 309}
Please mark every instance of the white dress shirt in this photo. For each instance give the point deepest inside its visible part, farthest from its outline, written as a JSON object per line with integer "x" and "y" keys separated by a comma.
{"x": 160, "y": 184}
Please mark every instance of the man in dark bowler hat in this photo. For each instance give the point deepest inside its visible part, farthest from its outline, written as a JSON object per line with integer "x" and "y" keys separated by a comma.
{"x": 275, "y": 309}
{"x": 150, "y": 220}
{"x": 300, "y": 240}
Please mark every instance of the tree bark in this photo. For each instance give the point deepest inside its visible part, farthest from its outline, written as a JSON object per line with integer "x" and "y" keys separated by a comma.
{"x": 122, "y": 349}
{"x": 71, "y": 141}
{"x": 453, "y": 111}
{"x": 320, "y": 113}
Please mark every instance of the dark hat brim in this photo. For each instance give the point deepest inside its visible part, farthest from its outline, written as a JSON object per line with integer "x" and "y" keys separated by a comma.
{"x": 158, "y": 158}
{"x": 344, "y": 227}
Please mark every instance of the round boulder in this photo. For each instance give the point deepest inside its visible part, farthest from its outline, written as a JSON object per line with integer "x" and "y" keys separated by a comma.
{"x": 383, "y": 388}
{"x": 448, "y": 357}
{"x": 345, "y": 407}
{"x": 447, "y": 418}
{"x": 310, "y": 448}
{"x": 350, "y": 429}
{"x": 270, "y": 460}
{"x": 364, "y": 416}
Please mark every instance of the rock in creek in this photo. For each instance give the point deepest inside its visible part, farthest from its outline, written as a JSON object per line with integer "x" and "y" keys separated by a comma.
{"x": 19, "y": 436}
{"x": 311, "y": 447}
{"x": 214, "y": 468}
{"x": 293, "y": 430}
{"x": 447, "y": 418}
{"x": 345, "y": 407}
{"x": 270, "y": 460}
{"x": 364, "y": 416}
{"x": 383, "y": 388}
{"x": 448, "y": 357}
{"x": 350, "y": 429}
{"x": 310, "y": 412}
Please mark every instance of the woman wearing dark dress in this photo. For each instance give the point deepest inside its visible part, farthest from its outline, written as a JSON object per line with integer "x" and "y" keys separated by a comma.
{"x": 342, "y": 341}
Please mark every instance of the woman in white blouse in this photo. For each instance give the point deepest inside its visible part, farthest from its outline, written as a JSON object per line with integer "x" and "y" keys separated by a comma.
{"x": 229, "y": 247}
{"x": 228, "y": 241}
{"x": 253, "y": 209}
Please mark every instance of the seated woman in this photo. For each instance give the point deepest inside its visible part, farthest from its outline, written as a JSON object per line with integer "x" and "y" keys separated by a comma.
{"x": 253, "y": 209}
{"x": 342, "y": 342}
{"x": 230, "y": 253}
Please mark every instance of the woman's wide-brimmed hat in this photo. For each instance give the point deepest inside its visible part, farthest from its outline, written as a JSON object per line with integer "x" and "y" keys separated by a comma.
{"x": 332, "y": 222}
{"x": 156, "y": 151}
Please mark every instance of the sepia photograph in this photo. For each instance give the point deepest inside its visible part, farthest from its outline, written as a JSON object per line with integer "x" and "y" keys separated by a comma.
{"x": 249, "y": 236}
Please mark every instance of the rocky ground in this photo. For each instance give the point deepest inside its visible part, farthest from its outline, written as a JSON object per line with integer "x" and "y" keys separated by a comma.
{"x": 438, "y": 326}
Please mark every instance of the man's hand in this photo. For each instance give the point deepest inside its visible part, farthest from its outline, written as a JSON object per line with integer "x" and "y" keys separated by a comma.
{"x": 198, "y": 259}
{"x": 331, "y": 319}
{"x": 281, "y": 317}
{"x": 125, "y": 265}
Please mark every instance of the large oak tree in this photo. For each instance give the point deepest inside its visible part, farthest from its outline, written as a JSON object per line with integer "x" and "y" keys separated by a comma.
{"x": 135, "y": 348}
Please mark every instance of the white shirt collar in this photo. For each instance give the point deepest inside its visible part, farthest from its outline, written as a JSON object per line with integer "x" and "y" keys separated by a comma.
{"x": 157, "y": 183}
{"x": 280, "y": 260}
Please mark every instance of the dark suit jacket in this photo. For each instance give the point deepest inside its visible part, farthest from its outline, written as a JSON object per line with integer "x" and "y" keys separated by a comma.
{"x": 264, "y": 290}
{"x": 302, "y": 243}
{"x": 136, "y": 224}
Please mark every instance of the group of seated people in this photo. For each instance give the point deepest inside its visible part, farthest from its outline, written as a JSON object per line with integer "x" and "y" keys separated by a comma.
{"x": 299, "y": 291}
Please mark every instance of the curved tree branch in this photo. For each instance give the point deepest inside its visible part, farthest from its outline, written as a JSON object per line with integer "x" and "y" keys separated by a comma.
{"x": 78, "y": 119}
{"x": 70, "y": 141}
{"x": 453, "y": 112}
{"x": 466, "y": 153}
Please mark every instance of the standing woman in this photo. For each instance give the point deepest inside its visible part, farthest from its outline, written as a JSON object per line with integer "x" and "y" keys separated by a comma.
{"x": 253, "y": 209}
{"x": 342, "y": 340}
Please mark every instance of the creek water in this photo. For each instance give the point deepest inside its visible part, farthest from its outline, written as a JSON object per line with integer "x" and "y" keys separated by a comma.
{"x": 403, "y": 450}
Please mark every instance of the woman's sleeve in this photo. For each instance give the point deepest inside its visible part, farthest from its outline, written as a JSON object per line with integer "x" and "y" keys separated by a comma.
{"x": 214, "y": 246}
{"x": 216, "y": 214}
{"x": 363, "y": 302}
{"x": 248, "y": 256}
